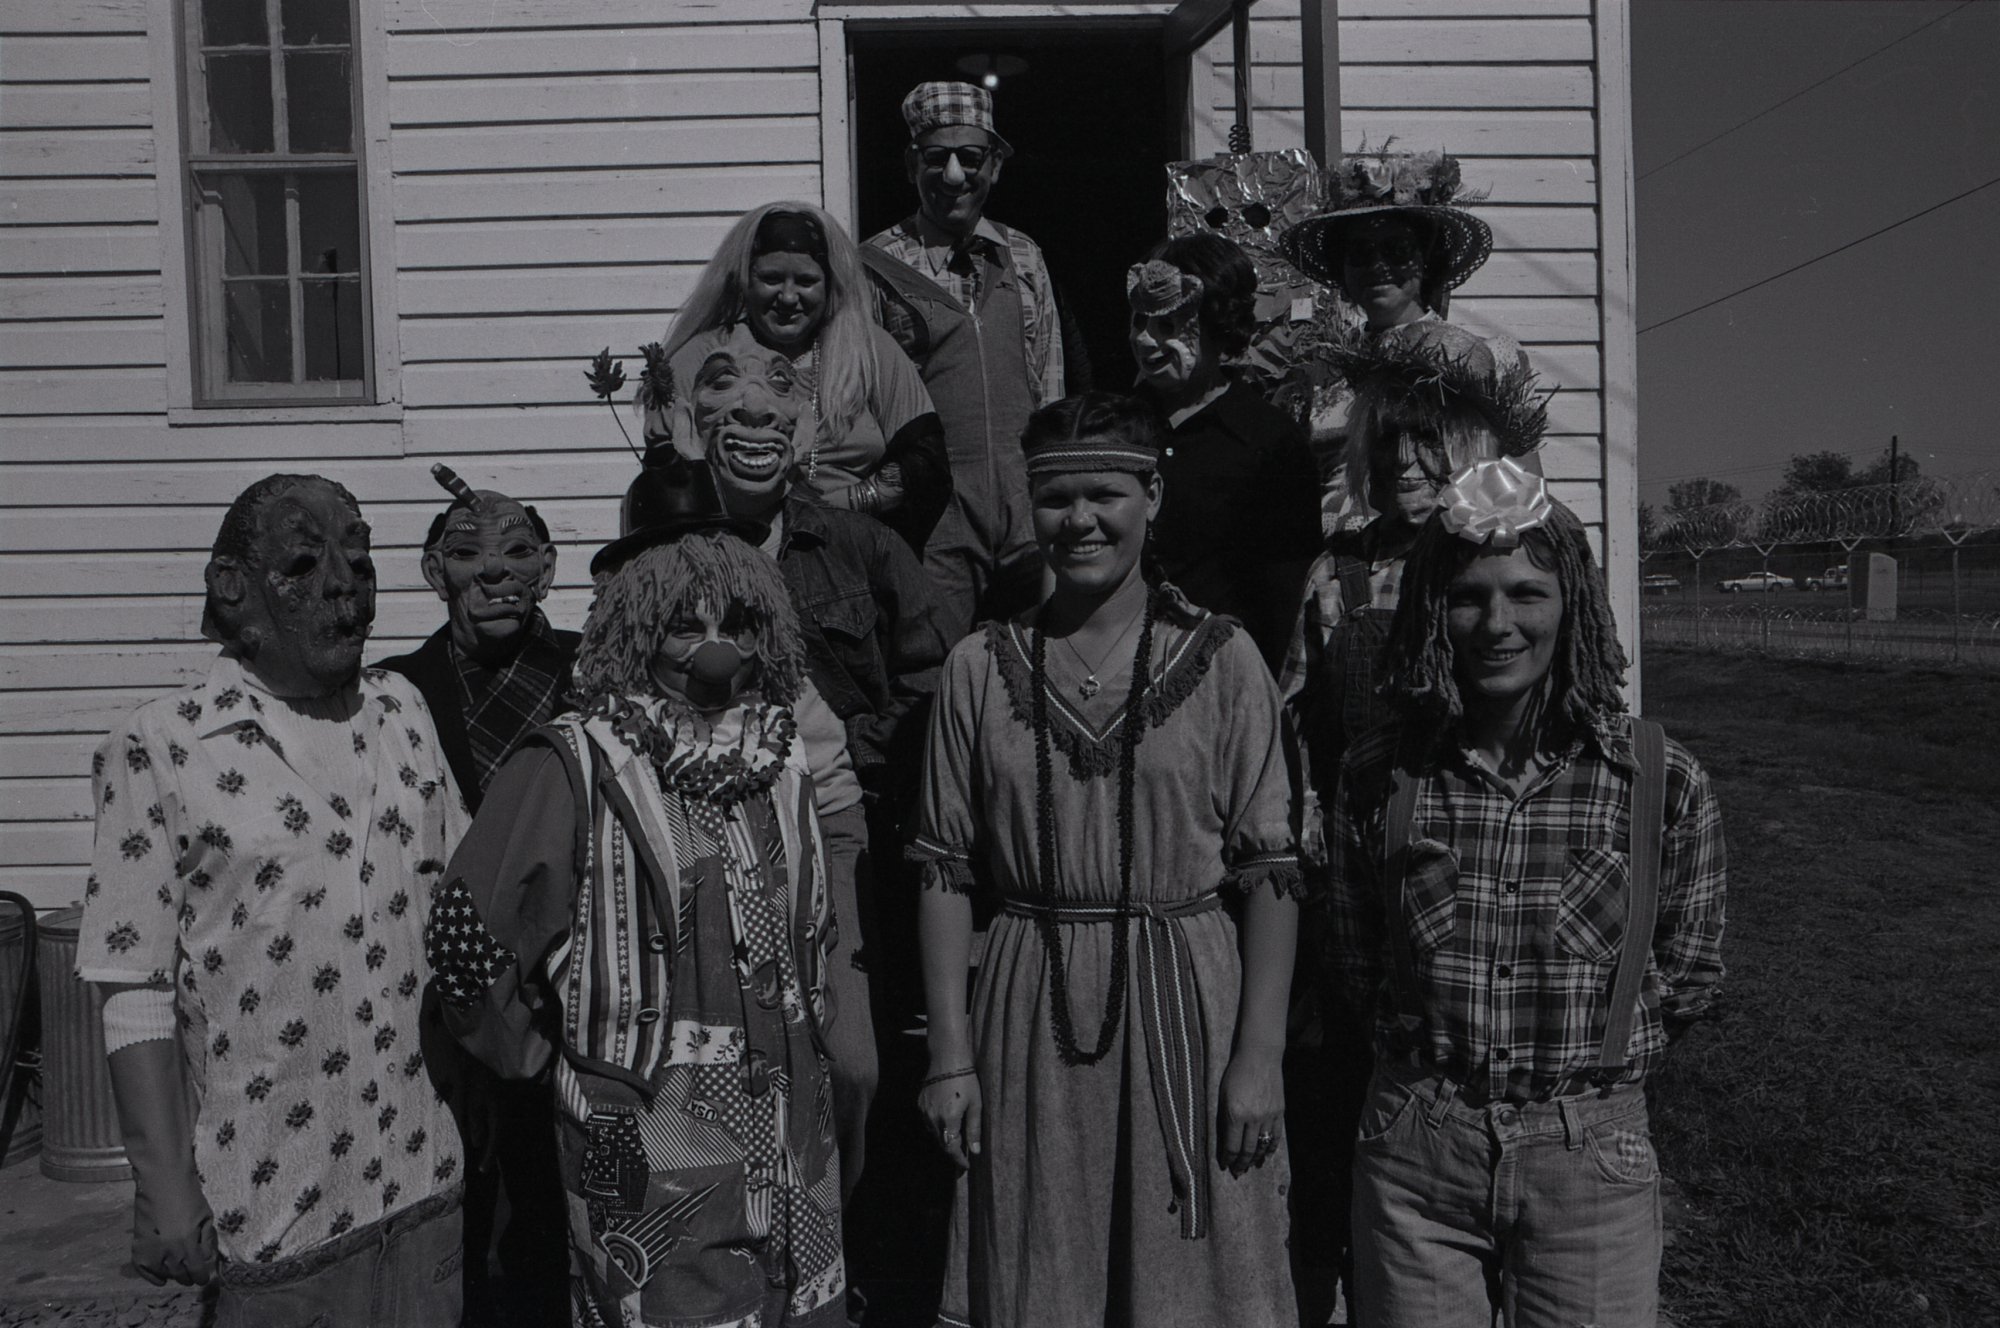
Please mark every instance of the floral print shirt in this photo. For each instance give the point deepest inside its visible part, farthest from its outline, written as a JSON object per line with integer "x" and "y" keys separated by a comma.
{"x": 288, "y": 915}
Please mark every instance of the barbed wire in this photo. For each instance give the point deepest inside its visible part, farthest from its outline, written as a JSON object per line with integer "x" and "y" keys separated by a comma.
{"x": 1955, "y": 507}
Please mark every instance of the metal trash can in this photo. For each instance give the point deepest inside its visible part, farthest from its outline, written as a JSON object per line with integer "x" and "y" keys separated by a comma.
{"x": 80, "y": 1136}
{"x": 21, "y": 1104}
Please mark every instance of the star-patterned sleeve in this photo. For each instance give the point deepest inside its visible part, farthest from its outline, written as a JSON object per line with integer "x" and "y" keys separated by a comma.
{"x": 506, "y": 899}
{"x": 130, "y": 932}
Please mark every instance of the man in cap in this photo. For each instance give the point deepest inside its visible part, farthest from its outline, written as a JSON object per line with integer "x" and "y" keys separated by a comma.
{"x": 268, "y": 842}
{"x": 971, "y": 302}
{"x": 493, "y": 672}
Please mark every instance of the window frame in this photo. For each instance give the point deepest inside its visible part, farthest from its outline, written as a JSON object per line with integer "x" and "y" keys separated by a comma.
{"x": 198, "y": 384}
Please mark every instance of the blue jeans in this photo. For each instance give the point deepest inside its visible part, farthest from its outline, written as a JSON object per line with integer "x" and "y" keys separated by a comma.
{"x": 400, "y": 1272}
{"x": 1546, "y": 1213}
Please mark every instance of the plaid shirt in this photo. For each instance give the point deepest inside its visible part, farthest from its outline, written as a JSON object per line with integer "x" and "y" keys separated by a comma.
{"x": 1516, "y": 910}
{"x": 917, "y": 242}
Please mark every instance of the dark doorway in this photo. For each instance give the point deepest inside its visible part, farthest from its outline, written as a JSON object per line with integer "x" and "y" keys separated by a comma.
{"x": 1091, "y": 126}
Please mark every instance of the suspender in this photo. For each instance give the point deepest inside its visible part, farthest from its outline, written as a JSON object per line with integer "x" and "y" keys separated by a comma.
{"x": 1649, "y": 804}
{"x": 1649, "y": 800}
{"x": 1396, "y": 863}
{"x": 1355, "y": 592}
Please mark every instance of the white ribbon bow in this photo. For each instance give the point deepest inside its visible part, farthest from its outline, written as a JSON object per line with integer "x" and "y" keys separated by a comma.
{"x": 1494, "y": 501}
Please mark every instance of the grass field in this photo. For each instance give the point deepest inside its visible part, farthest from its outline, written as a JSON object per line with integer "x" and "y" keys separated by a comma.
{"x": 1835, "y": 1136}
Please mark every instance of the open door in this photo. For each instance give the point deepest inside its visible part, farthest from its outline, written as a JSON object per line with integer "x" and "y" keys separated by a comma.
{"x": 1088, "y": 108}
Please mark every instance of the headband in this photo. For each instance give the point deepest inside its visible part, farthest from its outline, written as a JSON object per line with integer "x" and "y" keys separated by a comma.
{"x": 1494, "y": 502}
{"x": 1072, "y": 456}
{"x": 790, "y": 233}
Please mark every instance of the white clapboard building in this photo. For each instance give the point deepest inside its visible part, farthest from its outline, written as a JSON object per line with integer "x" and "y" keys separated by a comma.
{"x": 355, "y": 237}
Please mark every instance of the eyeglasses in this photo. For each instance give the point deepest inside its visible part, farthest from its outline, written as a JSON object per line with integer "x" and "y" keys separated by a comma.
{"x": 971, "y": 157}
{"x": 1389, "y": 250}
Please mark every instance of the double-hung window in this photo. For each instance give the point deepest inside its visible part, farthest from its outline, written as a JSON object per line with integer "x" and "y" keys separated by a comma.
{"x": 277, "y": 234}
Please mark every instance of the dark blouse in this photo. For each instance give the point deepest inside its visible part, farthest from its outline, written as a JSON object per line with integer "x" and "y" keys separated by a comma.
{"x": 1241, "y": 519}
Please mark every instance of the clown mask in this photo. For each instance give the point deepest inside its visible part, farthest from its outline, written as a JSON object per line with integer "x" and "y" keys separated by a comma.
{"x": 490, "y": 567}
{"x": 709, "y": 659}
{"x": 746, "y": 401}
{"x": 298, "y": 608}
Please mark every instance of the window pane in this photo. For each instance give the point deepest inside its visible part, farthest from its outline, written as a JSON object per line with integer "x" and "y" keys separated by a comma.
{"x": 259, "y": 317}
{"x": 329, "y": 222}
{"x": 233, "y": 23}
{"x": 315, "y": 22}
{"x": 317, "y": 100}
{"x": 333, "y": 329}
{"x": 239, "y": 103}
{"x": 253, "y": 224}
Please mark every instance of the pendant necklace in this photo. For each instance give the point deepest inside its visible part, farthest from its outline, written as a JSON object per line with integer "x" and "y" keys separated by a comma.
{"x": 1090, "y": 687}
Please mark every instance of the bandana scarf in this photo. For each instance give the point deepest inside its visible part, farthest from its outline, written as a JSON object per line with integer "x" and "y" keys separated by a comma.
{"x": 502, "y": 706}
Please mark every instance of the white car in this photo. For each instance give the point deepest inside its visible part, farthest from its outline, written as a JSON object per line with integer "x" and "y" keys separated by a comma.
{"x": 1765, "y": 581}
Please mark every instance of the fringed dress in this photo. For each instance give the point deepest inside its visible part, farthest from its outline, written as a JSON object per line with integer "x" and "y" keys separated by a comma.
{"x": 656, "y": 907}
{"x": 1097, "y": 1199}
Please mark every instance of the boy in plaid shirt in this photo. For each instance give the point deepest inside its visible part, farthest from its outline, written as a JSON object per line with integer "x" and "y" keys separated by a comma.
{"x": 1504, "y": 1162}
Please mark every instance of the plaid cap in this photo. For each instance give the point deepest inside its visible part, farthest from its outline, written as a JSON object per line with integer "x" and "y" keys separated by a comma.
{"x": 938, "y": 105}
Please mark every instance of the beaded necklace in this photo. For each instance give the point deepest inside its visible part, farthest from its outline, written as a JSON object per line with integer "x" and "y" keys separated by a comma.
{"x": 1045, "y": 849}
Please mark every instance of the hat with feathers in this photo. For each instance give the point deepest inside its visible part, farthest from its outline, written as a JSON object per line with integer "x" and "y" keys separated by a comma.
{"x": 1437, "y": 370}
{"x": 1424, "y": 186}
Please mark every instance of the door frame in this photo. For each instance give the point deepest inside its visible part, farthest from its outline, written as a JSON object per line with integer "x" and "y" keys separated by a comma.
{"x": 1201, "y": 134}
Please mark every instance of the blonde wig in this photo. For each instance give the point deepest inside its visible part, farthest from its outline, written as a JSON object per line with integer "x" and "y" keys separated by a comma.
{"x": 845, "y": 363}
{"x": 706, "y": 571}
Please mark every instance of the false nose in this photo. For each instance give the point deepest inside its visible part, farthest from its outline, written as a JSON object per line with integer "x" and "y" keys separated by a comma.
{"x": 756, "y": 411}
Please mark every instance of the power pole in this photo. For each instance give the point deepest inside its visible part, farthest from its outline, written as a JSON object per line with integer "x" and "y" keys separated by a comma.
{"x": 1893, "y": 507}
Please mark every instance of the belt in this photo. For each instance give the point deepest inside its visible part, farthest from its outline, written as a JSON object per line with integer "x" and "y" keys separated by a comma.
{"x": 1169, "y": 1006}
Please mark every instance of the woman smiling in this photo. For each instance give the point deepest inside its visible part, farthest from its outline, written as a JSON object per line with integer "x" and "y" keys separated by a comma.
{"x": 870, "y": 440}
{"x": 1107, "y": 771}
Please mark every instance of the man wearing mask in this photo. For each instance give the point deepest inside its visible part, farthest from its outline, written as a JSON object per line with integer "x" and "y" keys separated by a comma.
{"x": 868, "y": 618}
{"x": 642, "y": 910}
{"x": 971, "y": 302}
{"x": 493, "y": 672}
{"x": 268, "y": 841}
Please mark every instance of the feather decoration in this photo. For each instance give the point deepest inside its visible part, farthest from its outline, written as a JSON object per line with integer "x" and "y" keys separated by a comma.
{"x": 1432, "y": 382}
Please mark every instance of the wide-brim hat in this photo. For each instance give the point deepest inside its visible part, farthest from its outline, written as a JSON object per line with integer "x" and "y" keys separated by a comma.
{"x": 1424, "y": 186}
{"x": 673, "y": 497}
{"x": 941, "y": 105}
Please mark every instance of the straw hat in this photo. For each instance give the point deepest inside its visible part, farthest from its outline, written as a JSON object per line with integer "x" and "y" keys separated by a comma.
{"x": 1423, "y": 186}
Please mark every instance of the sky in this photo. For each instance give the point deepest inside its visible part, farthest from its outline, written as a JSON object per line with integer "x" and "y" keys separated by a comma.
{"x": 1899, "y": 335}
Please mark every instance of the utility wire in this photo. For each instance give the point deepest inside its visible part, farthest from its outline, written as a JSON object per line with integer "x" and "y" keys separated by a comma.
{"x": 1803, "y": 91}
{"x": 1798, "y": 267}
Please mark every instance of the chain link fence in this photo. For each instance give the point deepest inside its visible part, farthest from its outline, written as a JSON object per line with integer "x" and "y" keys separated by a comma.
{"x": 1790, "y": 573}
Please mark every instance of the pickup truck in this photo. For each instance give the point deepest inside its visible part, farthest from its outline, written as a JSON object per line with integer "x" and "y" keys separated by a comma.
{"x": 1833, "y": 578}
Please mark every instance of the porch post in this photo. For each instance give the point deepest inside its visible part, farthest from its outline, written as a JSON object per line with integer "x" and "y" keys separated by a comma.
{"x": 1319, "y": 22}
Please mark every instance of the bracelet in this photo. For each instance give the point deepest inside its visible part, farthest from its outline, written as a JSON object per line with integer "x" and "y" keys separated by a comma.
{"x": 948, "y": 1076}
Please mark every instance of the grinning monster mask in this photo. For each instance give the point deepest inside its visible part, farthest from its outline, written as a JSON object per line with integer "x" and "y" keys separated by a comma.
{"x": 291, "y": 584}
{"x": 745, "y": 402}
{"x": 490, "y": 560}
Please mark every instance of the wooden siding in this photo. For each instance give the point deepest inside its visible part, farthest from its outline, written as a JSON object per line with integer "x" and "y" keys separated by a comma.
{"x": 557, "y": 173}
{"x": 1512, "y": 88}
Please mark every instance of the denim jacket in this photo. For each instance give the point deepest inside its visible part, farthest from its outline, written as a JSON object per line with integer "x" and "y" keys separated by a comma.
{"x": 869, "y": 617}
